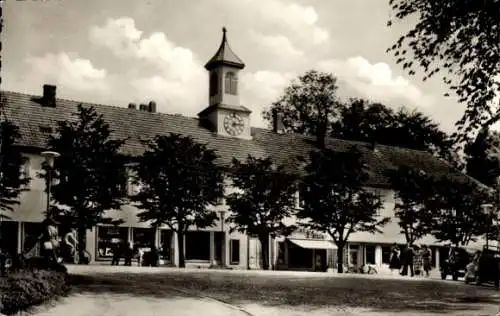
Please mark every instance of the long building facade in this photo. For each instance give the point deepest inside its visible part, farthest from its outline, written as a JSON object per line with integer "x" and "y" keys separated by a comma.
{"x": 225, "y": 126}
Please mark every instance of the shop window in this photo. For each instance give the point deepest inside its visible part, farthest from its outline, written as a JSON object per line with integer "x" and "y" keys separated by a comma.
{"x": 235, "y": 251}
{"x": 8, "y": 237}
{"x": 143, "y": 237}
{"x": 370, "y": 254}
{"x": 386, "y": 254}
{"x": 31, "y": 235}
{"x": 108, "y": 237}
{"x": 198, "y": 246}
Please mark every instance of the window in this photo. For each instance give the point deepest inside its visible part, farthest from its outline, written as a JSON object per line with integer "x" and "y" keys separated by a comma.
{"x": 198, "y": 245}
{"x": 386, "y": 254}
{"x": 231, "y": 83}
{"x": 143, "y": 237}
{"x": 235, "y": 251}
{"x": 370, "y": 254}
{"x": 218, "y": 240}
{"x": 107, "y": 237}
{"x": 213, "y": 84}
{"x": 281, "y": 252}
{"x": 45, "y": 129}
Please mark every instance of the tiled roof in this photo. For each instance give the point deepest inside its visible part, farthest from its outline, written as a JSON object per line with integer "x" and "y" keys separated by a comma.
{"x": 224, "y": 56}
{"x": 35, "y": 120}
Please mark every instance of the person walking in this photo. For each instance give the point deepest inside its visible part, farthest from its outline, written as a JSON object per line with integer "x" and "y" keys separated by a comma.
{"x": 395, "y": 260}
{"x": 426, "y": 257}
{"x": 128, "y": 253}
{"x": 117, "y": 251}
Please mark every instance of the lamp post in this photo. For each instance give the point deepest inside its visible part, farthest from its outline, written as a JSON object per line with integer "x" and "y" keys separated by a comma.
{"x": 488, "y": 212}
{"x": 50, "y": 157}
{"x": 223, "y": 246}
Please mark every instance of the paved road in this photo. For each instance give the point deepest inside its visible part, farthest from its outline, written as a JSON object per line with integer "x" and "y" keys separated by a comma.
{"x": 106, "y": 294}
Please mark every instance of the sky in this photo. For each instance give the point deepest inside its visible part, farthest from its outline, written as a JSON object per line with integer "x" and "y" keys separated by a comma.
{"x": 121, "y": 51}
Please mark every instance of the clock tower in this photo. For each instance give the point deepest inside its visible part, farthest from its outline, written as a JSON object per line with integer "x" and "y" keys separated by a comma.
{"x": 224, "y": 114}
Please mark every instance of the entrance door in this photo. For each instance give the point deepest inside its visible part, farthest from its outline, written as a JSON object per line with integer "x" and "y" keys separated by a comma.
{"x": 353, "y": 255}
{"x": 254, "y": 253}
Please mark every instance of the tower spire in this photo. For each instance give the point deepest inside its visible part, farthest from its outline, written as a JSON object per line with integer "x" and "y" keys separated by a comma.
{"x": 224, "y": 55}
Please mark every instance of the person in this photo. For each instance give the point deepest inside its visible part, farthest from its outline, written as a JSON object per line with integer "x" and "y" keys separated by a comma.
{"x": 426, "y": 257}
{"x": 50, "y": 240}
{"x": 153, "y": 256}
{"x": 116, "y": 250}
{"x": 71, "y": 241}
{"x": 408, "y": 260}
{"x": 128, "y": 253}
{"x": 472, "y": 267}
{"x": 394, "y": 261}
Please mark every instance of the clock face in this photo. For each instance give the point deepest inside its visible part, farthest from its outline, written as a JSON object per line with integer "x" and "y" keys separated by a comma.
{"x": 234, "y": 124}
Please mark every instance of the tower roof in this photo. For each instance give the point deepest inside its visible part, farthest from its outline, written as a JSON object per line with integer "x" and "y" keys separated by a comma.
{"x": 224, "y": 56}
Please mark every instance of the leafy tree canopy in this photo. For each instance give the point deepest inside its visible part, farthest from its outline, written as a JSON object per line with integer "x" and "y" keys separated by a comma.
{"x": 178, "y": 181}
{"x": 335, "y": 198}
{"x": 265, "y": 197}
{"x": 461, "y": 40}
{"x": 90, "y": 171}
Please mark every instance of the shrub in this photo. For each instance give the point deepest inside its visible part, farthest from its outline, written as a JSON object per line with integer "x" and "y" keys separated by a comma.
{"x": 28, "y": 287}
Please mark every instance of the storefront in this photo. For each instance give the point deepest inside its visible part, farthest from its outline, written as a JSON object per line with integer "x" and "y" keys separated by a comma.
{"x": 305, "y": 251}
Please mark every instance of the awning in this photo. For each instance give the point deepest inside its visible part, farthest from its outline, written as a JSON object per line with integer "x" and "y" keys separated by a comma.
{"x": 313, "y": 244}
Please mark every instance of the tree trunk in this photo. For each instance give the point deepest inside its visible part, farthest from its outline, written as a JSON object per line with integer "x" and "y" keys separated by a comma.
{"x": 180, "y": 246}
{"x": 264, "y": 242}
{"x": 82, "y": 241}
{"x": 340, "y": 258}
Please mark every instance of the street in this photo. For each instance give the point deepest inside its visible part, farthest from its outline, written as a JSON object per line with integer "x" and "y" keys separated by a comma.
{"x": 106, "y": 290}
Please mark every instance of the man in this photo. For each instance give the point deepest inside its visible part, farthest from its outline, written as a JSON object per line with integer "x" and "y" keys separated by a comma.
{"x": 408, "y": 260}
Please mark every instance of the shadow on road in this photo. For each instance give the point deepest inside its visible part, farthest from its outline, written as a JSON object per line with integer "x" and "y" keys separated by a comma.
{"x": 376, "y": 294}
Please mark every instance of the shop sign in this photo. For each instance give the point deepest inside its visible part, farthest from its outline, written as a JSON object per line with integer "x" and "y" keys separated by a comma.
{"x": 309, "y": 234}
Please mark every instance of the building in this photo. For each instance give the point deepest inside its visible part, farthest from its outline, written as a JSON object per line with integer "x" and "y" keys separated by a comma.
{"x": 225, "y": 126}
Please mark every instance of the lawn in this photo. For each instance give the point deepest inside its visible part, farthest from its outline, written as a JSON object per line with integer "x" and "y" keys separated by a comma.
{"x": 299, "y": 292}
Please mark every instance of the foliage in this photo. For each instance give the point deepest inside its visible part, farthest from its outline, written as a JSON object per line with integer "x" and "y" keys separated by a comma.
{"x": 412, "y": 191}
{"x": 335, "y": 198}
{"x": 458, "y": 210}
{"x": 482, "y": 157}
{"x": 375, "y": 122}
{"x": 265, "y": 196}
{"x": 308, "y": 105}
{"x": 90, "y": 171}
{"x": 29, "y": 287}
{"x": 12, "y": 178}
{"x": 460, "y": 39}
{"x": 178, "y": 182}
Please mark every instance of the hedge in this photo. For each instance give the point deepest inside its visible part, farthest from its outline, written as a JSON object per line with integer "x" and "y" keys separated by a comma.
{"x": 30, "y": 286}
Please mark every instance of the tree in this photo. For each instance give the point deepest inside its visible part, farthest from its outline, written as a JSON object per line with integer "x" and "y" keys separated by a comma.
{"x": 412, "y": 190}
{"x": 458, "y": 208}
{"x": 90, "y": 172}
{"x": 462, "y": 40}
{"x": 482, "y": 157}
{"x": 178, "y": 182}
{"x": 12, "y": 178}
{"x": 377, "y": 123}
{"x": 265, "y": 197}
{"x": 309, "y": 105}
{"x": 335, "y": 198}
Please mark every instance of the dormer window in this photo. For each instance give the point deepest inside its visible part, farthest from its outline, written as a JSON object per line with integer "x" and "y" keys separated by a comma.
{"x": 231, "y": 83}
{"x": 213, "y": 84}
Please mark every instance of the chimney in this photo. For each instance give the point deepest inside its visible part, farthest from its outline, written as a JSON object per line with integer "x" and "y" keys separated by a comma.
{"x": 277, "y": 122}
{"x": 132, "y": 106}
{"x": 143, "y": 107}
{"x": 152, "y": 106}
{"x": 49, "y": 95}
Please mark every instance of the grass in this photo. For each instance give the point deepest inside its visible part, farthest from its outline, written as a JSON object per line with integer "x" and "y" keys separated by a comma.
{"x": 377, "y": 294}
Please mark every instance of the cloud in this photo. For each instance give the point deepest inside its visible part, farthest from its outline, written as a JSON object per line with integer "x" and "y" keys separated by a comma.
{"x": 279, "y": 45}
{"x": 178, "y": 80}
{"x": 72, "y": 73}
{"x": 376, "y": 82}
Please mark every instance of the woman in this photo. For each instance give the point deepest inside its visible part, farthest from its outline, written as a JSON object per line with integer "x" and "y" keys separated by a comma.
{"x": 426, "y": 257}
{"x": 395, "y": 261}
